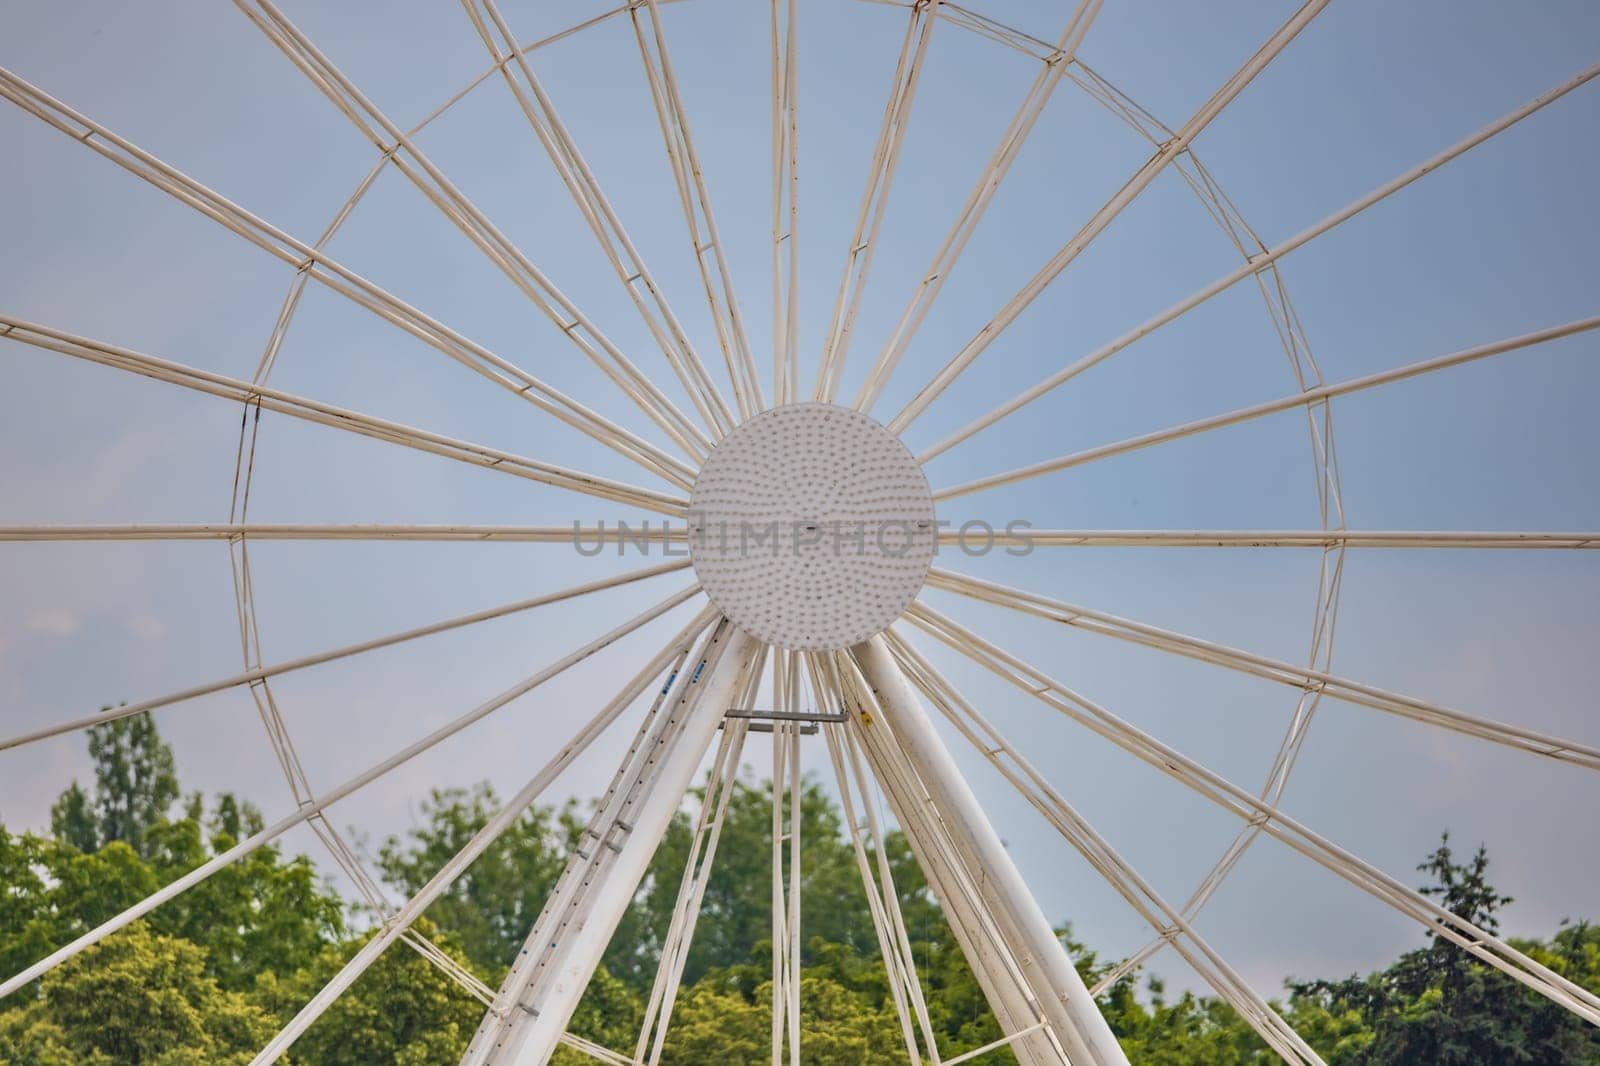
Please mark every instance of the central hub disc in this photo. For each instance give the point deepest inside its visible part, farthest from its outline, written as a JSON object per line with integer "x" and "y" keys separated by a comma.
{"x": 811, "y": 527}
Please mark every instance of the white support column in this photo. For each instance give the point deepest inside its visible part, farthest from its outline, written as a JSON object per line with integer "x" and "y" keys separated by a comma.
{"x": 984, "y": 945}
{"x": 1068, "y": 1007}
{"x": 537, "y": 1000}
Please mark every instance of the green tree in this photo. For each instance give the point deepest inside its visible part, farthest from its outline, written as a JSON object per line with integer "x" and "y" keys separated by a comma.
{"x": 263, "y": 912}
{"x": 1440, "y": 1005}
{"x": 490, "y": 908}
{"x": 72, "y": 820}
{"x": 401, "y": 1011}
{"x": 135, "y": 998}
{"x": 136, "y": 784}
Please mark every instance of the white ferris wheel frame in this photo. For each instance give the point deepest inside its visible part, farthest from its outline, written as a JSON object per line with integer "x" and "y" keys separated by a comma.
{"x": 870, "y": 701}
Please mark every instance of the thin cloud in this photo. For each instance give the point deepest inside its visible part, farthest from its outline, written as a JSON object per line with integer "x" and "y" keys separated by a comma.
{"x": 147, "y": 627}
{"x": 54, "y": 622}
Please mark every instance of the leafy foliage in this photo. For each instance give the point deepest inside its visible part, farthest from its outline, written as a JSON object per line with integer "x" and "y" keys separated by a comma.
{"x": 136, "y": 784}
{"x": 208, "y": 977}
{"x": 1440, "y": 1005}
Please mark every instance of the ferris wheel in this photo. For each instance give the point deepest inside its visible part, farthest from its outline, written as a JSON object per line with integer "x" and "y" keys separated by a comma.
{"x": 819, "y": 569}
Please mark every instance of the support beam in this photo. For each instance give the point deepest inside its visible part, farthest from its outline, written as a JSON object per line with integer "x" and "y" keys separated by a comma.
{"x": 538, "y": 996}
{"x": 986, "y": 948}
{"x": 1068, "y": 1007}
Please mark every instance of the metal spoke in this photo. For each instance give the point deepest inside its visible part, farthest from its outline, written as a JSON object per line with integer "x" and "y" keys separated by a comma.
{"x": 503, "y": 819}
{"x": 951, "y": 874}
{"x": 250, "y": 677}
{"x": 1062, "y": 997}
{"x": 618, "y": 247}
{"x": 621, "y": 534}
{"x": 1109, "y": 211}
{"x": 1263, "y": 261}
{"x": 720, "y": 782}
{"x": 338, "y": 417}
{"x": 1134, "y": 889}
{"x": 875, "y": 197}
{"x": 314, "y": 807}
{"x": 603, "y": 875}
{"x": 883, "y": 902}
{"x": 966, "y": 223}
{"x": 1299, "y": 399}
{"x": 328, "y": 271}
{"x": 1301, "y": 677}
{"x": 785, "y": 203}
{"x": 1026, "y": 538}
{"x": 1273, "y": 821}
{"x": 392, "y": 141}
{"x": 696, "y": 202}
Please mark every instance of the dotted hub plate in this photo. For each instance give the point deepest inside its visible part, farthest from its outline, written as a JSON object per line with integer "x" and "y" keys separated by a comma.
{"x": 811, "y": 527}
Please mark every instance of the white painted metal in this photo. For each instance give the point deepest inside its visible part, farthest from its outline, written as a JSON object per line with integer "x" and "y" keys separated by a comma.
{"x": 396, "y": 925}
{"x": 1299, "y": 399}
{"x": 308, "y": 810}
{"x": 1113, "y": 207}
{"x": 1562, "y": 750}
{"x": 1267, "y": 257}
{"x": 539, "y": 994}
{"x": 1272, "y": 820}
{"x": 326, "y": 414}
{"x": 1069, "y": 1009}
{"x": 720, "y": 783}
{"x": 316, "y": 659}
{"x": 785, "y": 202}
{"x": 1267, "y": 538}
{"x": 951, "y": 874}
{"x": 1013, "y": 953}
{"x": 391, "y": 140}
{"x": 971, "y": 213}
{"x": 695, "y": 199}
{"x": 1170, "y": 925}
{"x": 875, "y": 197}
{"x": 811, "y": 527}
{"x": 582, "y": 535}
{"x": 883, "y": 901}
{"x": 586, "y": 192}
{"x": 323, "y": 268}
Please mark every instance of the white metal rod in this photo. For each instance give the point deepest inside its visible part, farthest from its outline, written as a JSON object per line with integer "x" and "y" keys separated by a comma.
{"x": 1269, "y": 538}
{"x": 1109, "y": 211}
{"x": 241, "y": 391}
{"x": 261, "y": 673}
{"x": 695, "y": 200}
{"x": 875, "y": 197}
{"x": 1302, "y": 677}
{"x": 1257, "y": 263}
{"x": 392, "y": 141}
{"x": 994, "y": 1045}
{"x": 704, "y": 694}
{"x": 1085, "y": 1034}
{"x": 1299, "y": 399}
{"x": 795, "y": 819}
{"x": 1168, "y": 922}
{"x": 618, "y": 247}
{"x": 573, "y": 534}
{"x": 328, "y": 271}
{"x": 1254, "y": 811}
{"x": 951, "y": 873}
{"x": 720, "y": 785}
{"x": 785, "y": 200}
{"x": 903, "y": 982}
{"x": 311, "y": 808}
{"x": 966, "y": 223}
{"x": 397, "y": 924}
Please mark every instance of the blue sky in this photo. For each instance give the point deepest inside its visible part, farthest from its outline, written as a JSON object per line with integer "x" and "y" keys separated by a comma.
{"x": 1501, "y": 242}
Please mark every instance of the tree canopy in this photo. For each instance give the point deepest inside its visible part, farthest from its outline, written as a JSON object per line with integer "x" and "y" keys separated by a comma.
{"x": 211, "y": 975}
